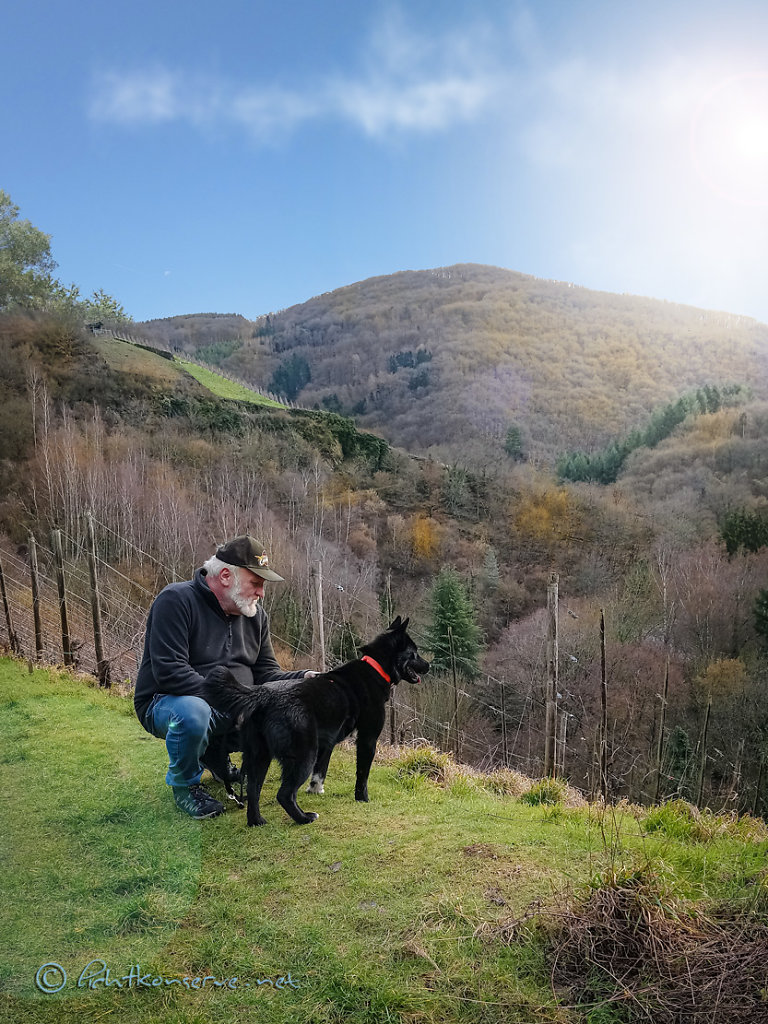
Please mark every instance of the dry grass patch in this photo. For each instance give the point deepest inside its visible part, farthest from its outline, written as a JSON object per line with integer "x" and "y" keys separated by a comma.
{"x": 632, "y": 944}
{"x": 633, "y": 951}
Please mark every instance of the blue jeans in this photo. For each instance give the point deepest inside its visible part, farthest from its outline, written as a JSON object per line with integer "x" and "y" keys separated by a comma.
{"x": 187, "y": 724}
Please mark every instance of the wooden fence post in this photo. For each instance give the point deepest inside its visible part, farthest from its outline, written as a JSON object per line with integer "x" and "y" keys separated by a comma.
{"x": 756, "y": 803}
{"x": 318, "y": 622}
{"x": 457, "y": 724}
{"x": 504, "y": 749}
{"x": 102, "y": 665}
{"x": 603, "y": 713}
{"x": 550, "y": 725}
{"x": 662, "y": 726}
{"x": 560, "y": 749}
{"x": 388, "y": 619}
{"x": 35, "y": 597}
{"x": 703, "y": 755}
{"x": 58, "y": 558}
{"x": 13, "y": 640}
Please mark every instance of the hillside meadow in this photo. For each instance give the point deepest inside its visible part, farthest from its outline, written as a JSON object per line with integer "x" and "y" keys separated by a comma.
{"x": 438, "y": 901}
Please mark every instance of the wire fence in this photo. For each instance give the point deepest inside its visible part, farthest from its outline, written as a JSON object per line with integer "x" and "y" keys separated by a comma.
{"x": 491, "y": 724}
{"x": 125, "y": 601}
{"x": 124, "y": 632}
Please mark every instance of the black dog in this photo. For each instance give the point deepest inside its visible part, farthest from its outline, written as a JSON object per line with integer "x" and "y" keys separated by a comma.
{"x": 300, "y": 723}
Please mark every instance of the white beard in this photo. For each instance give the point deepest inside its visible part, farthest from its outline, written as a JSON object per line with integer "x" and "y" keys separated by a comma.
{"x": 247, "y": 606}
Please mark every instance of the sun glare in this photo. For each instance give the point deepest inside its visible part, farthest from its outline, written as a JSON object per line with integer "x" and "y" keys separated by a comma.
{"x": 750, "y": 135}
{"x": 729, "y": 139}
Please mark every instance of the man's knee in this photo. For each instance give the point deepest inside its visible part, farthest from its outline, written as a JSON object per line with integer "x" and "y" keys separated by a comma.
{"x": 191, "y": 715}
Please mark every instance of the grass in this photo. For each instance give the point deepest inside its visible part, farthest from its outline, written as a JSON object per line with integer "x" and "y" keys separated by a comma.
{"x": 380, "y": 912}
{"x": 131, "y": 359}
{"x": 224, "y": 388}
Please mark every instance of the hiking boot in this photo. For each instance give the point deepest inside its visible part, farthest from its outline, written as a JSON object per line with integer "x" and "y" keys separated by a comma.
{"x": 222, "y": 769}
{"x": 195, "y": 802}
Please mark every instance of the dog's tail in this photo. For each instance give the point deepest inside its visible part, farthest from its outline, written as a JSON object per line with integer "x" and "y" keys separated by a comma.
{"x": 225, "y": 693}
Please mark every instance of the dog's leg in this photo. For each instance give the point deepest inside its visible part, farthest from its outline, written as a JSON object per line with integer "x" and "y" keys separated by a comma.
{"x": 256, "y": 760}
{"x": 295, "y": 771}
{"x": 320, "y": 771}
{"x": 232, "y": 795}
{"x": 366, "y": 748}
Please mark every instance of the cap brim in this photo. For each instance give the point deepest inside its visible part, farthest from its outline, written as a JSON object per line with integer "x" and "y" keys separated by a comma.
{"x": 266, "y": 574}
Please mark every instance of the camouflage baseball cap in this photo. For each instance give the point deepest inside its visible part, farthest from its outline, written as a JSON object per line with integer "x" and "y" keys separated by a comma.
{"x": 250, "y": 554}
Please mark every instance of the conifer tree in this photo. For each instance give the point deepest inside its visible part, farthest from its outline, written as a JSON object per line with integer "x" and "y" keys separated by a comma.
{"x": 513, "y": 443}
{"x": 452, "y": 608}
{"x": 680, "y": 761}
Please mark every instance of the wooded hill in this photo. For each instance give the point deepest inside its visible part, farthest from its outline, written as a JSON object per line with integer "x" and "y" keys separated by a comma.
{"x": 441, "y": 359}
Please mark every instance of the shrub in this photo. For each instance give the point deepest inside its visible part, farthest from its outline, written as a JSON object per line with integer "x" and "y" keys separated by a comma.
{"x": 426, "y": 762}
{"x": 546, "y": 791}
{"x": 506, "y": 782}
{"x": 682, "y": 820}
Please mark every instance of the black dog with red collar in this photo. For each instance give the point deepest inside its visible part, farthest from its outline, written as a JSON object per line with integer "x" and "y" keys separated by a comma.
{"x": 299, "y": 723}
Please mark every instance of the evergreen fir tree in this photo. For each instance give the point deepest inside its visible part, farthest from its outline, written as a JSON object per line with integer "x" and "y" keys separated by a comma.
{"x": 513, "y": 444}
{"x": 452, "y": 608}
{"x": 680, "y": 761}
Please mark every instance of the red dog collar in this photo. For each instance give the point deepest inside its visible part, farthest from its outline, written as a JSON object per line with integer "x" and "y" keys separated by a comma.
{"x": 377, "y": 666}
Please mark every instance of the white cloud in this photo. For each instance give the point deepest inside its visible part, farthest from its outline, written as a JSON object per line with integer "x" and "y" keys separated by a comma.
{"x": 407, "y": 82}
{"x": 419, "y": 82}
{"x": 415, "y": 106}
{"x": 150, "y": 96}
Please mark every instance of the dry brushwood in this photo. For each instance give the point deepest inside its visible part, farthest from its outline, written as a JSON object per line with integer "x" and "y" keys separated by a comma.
{"x": 664, "y": 964}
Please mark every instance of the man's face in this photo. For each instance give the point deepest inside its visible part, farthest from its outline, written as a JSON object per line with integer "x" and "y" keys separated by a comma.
{"x": 246, "y": 589}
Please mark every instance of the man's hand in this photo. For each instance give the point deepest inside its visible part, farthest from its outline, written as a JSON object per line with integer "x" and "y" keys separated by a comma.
{"x": 310, "y": 675}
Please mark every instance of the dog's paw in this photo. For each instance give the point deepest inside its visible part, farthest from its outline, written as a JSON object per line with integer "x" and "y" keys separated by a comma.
{"x": 316, "y": 785}
{"x": 257, "y": 821}
{"x": 362, "y": 796}
{"x": 219, "y": 674}
{"x": 309, "y": 817}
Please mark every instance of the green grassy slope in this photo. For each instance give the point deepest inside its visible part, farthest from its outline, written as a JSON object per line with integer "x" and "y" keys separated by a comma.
{"x": 133, "y": 359}
{"x": 224, "y": 388}
{"x": 371, "y": 914}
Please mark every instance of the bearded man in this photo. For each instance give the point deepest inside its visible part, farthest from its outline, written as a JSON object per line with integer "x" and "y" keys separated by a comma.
{"x": 214, "y": 619}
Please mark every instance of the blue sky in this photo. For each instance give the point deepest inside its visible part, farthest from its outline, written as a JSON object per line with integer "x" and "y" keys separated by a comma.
{"x": 247, "y": 155}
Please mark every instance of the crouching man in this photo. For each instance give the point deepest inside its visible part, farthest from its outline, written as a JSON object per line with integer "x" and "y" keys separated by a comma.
{"x": 213, "y": 619}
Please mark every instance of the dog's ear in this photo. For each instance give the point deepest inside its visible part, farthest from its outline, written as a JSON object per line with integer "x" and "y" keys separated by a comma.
{"x": 397, "y": 624}
{"x": 404, "y": 624}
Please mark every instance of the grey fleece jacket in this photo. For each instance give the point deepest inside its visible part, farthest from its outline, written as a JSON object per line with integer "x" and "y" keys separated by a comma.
{"x": 188, "y": 634}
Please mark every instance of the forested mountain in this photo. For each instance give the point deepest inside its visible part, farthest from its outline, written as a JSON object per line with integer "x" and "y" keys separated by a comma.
{"x": 442, "y": 359}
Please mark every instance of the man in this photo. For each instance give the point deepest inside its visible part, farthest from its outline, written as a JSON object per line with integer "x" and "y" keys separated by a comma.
{"x": 213, "y": 619}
